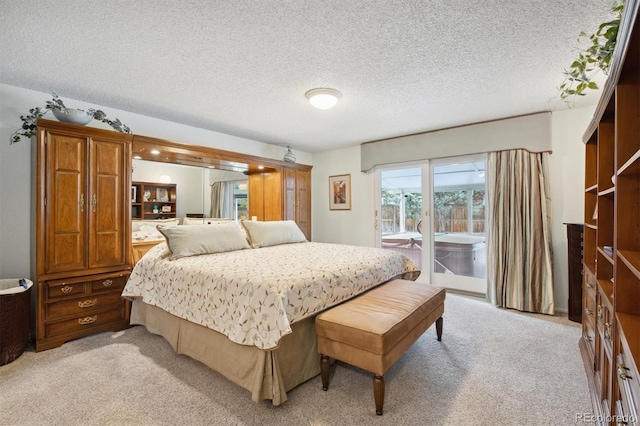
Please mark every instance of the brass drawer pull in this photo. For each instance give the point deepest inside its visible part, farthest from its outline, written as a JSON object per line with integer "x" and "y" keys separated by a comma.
{"x": 599, "y": 311}
{"x": 589, "y": 285}
{"x": 87, "y": 320}
{"x": 66, "y": 289}
{"x": 607, "y": 330}
{"x": 87, "y": 303}
{"x": 107, "y": 283}
{"x": 588, "y": 311}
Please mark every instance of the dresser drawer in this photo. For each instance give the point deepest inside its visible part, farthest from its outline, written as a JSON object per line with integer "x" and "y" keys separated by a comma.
{"x": 589, "y": 336}
{"x": 589, "y": 321}
{"x": 63, "y": 288}
{"x": 108, "y": 284}
{"x": 628, "y": 401}
{"x": 590, "y": 284}
{"x": 80, "y": 306}
{"x": 84, "y": 323}
{"x": 589, "y": 309}
{"x": 627, "y": 377}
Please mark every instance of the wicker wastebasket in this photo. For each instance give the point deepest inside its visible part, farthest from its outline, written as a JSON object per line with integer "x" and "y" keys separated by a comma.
{"x": 15, "y": 314}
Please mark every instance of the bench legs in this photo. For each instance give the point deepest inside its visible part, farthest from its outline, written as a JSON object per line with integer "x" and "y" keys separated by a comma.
{"x": 439, "y": 329}
{"x": 324, "y": 371}
{"x": 378, "y": 393}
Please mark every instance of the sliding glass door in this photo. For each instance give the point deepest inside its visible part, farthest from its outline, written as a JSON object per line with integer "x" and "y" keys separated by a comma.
{"x": 400, "y": 212}
{"x": 458, "y": 223}
{"x": 434, "y": 213}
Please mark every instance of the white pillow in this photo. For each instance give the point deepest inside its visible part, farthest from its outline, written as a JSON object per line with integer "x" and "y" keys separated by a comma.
{"x": 195, "y": 240}
{"x": 265, "y": 234}
{"x": 136, "y": 224}
{"x": 204, "y": 220}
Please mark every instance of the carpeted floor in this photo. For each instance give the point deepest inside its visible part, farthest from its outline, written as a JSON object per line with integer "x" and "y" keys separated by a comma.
{"x": 493, "y": 367}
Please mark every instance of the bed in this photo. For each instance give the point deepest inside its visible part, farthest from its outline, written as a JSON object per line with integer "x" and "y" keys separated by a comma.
{"x": 248, "y": 313}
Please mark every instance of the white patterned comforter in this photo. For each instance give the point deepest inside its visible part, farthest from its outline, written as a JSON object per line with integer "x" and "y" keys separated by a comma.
{"x": 253, "y": 296}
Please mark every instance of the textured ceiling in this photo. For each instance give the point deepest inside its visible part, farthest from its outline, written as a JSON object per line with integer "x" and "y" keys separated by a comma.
{"x": 242, "y": 67}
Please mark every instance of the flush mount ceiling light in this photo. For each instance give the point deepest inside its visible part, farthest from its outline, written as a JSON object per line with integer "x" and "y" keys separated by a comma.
{"x": 323, "y": 98}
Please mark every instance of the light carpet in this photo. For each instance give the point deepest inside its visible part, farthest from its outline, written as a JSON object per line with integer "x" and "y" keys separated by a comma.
{"x": 492, "y": 367}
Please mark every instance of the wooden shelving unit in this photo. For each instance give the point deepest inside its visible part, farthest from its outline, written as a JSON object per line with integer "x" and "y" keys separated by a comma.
{"x": 153, "y": 200}
{"x": 610, "y": 342}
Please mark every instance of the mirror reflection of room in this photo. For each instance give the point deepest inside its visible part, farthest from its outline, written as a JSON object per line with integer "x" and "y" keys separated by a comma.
{"x": 200, "y": 193}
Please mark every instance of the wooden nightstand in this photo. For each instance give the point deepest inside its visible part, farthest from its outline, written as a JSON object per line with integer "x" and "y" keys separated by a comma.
{"x": 139, "y": 248}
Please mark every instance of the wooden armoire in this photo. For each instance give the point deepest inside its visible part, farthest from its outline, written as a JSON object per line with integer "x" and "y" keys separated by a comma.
{"x": 82, "y": 231}
{"x": 282, "y": 193}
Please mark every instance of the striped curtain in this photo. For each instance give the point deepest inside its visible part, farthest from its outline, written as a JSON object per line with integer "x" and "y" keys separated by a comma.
{"x": 217, "y": 200}
{"x": 519, "y": 269}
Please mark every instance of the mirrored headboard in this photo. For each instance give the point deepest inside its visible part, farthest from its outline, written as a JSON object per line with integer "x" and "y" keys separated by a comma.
{"x": 194, "y": 169}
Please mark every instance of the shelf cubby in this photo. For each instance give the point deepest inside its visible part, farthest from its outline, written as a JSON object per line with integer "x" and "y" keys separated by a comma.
{"x": 590, "y": 205}
{"x": 605, "y": 220}
{"x": 150, "y": 196}
{"x": 628, "y": 211}
{"x": 606, "y": 161}
{"x": 628, "y": 323}
{"x": 628, "y": 284}
{"x": 627, "y": 119}
{"x": 591, "y": 164}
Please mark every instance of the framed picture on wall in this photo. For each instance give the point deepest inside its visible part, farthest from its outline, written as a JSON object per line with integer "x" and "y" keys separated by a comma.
{"x": 340, "y": 192}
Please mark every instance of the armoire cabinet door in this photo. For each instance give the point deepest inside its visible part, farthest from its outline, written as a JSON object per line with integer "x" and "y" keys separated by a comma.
{"x": 297, "y": 199}
{"x": 109, "y": 203}
{"x": 265, "y": 195}
{"x": 66, "y": 203}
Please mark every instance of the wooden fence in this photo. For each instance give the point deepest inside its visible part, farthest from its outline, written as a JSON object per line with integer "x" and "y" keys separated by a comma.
{"x": 450, "y": 219}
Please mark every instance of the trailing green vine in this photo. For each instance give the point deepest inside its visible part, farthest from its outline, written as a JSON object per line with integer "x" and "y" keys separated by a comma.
{"x": 29, "y": 122}
{"x": 594, "y": 59}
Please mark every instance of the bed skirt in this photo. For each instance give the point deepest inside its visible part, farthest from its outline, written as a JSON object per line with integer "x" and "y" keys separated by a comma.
{"x": 267, "y": 374}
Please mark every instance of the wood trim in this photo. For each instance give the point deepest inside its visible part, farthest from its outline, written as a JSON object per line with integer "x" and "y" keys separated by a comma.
{"x": 196, "y": 155}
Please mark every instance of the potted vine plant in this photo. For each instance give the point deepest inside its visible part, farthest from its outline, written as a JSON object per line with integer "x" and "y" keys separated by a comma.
{"x": 594, "y": 59}
{"x": 63, "y": 113}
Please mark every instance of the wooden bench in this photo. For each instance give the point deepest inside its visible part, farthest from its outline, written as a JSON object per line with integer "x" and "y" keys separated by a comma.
{"x": 373, "y": 330}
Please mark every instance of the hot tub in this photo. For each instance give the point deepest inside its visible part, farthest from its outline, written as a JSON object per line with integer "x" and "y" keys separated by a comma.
{"x": 461, "y": 254}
